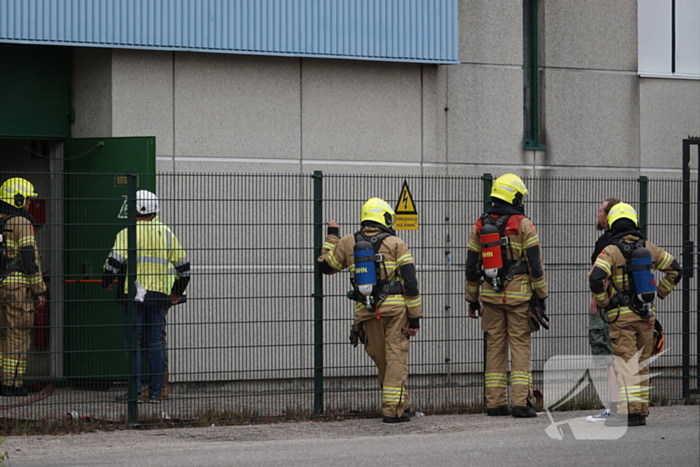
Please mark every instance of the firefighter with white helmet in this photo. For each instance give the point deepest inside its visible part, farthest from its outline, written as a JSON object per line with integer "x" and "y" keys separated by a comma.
{"x": 157, "y": 249}
{"x": 502, "y": 296}
{"x": 622, "y": 282}
{"x": 388, "y": 305}
{"x": 21, "y": 282}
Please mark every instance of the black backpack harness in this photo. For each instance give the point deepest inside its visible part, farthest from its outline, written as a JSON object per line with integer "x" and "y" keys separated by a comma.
{"x": 629, "y": 297}
{"x": 511, "y": 268}
{"x": 384, "y": 287}
{"x": 7, "y": 265}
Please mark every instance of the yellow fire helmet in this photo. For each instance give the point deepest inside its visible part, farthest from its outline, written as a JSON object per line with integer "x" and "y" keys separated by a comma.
{"x": 622, "y": 211}
{"x": 509, "y": 188}
{"x": 377, "y": 210}
{"x": 16, "y": 191}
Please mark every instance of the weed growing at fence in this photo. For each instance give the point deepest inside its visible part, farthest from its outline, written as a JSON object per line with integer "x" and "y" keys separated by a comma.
{"x": 5, "y": 455}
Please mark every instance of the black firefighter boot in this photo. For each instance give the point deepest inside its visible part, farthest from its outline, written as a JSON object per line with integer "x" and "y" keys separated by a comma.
{"x": 623, "y": 419}
{"x": 498, "y": 411}
{"x": 405, "y": 417}
{"x": 522, "y": 411}
{"x": 14, "y": 391}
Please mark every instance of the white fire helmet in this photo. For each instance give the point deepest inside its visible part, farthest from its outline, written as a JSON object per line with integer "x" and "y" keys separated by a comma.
{"x": 146, "y": 203}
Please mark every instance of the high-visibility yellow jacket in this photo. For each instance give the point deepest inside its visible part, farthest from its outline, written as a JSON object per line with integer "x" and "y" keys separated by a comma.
{"x": 157, "y": 248}
{"x": 21, "y": 246}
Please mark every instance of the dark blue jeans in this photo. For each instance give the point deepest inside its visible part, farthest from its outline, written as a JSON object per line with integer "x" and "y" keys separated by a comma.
{"x": 150, "y": 319}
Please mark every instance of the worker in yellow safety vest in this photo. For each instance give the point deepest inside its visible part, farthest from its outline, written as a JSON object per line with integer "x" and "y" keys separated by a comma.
{"x": 157, "y": 248}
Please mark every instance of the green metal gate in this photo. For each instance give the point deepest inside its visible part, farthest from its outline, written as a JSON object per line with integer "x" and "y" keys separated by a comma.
{"x": 95, "y": 190}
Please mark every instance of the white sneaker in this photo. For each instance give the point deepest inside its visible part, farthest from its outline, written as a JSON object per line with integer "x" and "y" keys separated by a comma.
{"x": 601, "y": 417}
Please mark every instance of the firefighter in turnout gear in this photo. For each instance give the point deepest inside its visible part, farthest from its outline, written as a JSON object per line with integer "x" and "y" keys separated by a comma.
{"x": 616, "y": 285}
{"x": 21, "y": 282}
{"x": 388, "y": 312}
{"x": 502, "y": 298}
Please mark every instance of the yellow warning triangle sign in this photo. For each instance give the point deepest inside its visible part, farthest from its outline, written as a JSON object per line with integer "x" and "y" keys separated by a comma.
{"x": 405, "y": 204}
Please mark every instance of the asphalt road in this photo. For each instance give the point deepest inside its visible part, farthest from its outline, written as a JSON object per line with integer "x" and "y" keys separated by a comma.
{"x": 671, "y": 438}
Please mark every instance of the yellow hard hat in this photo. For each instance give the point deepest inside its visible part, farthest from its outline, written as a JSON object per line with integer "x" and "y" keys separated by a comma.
{"x": 622, "y": 211}
{"x": 509, "y": 188}
{"x": 377, "y": 210}
{"x": 16, "y": 191}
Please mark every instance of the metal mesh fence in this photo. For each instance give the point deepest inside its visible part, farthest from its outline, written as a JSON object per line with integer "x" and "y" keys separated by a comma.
{"x": 248, "y": 341}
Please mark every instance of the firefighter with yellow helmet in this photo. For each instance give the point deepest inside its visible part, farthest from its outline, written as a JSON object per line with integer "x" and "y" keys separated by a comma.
{"x": 622, "y": 282}
{"x": 504, "y": 273}
{"x": 21, "y": 282}
{"x": 388, "y": 305}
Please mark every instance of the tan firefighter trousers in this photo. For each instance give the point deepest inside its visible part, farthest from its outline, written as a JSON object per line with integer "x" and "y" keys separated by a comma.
{"x": 507, "y": 326}
{"x": 16, "y": 321}
{"x": 388, "y": 346}
{"x": 632, "y": 370}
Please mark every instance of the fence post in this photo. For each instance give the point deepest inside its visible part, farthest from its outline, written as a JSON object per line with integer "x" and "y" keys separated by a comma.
{"x": 318, "y": 293}
{"x": 486, "y": 184}
{"x": 131, "y": 354}
{"x": 688, "y": 269}
{"x": 643, "y": 204}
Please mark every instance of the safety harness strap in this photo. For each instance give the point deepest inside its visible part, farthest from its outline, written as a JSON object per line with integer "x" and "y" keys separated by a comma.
{"x": 514, "y": 268}
{"x": 7, "y": 265}
{"x": 511, "y": 268}
{"x": 500, "y": 223}
{"x": 627, "y": 248}
{"x": 494, "y": 243}
{"x": 384, "y": 288}
{"x": 628, "y": 298}
{"x": 640, "y": 267}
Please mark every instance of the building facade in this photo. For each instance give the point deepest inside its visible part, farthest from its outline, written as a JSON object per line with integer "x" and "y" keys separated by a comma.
{"x": 542, "y": 88}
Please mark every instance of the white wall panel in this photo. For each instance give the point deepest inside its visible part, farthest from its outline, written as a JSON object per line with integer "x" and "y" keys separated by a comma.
{"x": 688, "y": 37}
{"x": 654, "y": 33}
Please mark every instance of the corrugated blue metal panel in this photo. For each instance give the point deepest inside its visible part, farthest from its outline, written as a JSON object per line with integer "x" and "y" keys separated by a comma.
{"x": 393, "y": 30}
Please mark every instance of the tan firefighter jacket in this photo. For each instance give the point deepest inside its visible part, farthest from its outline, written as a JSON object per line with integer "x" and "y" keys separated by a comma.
{"x": 609, "y": 265}
{"x": 524, "y": 243}
{"x": 338, "y": 254}
{"x": 21, "y": 247}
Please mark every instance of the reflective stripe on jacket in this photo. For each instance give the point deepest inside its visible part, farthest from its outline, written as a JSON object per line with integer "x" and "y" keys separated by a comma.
{"x": 522, "y": 236}
{"x": 157, "y": 248}
{"x": 609, "y": 264}
{"x": 339, "y": 254}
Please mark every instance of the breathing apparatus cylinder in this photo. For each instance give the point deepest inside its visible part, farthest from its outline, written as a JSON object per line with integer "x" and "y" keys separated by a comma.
{"x": 644, "y": 282}
{"x": 365, "y": 270}
{"x": 491, "y": 257}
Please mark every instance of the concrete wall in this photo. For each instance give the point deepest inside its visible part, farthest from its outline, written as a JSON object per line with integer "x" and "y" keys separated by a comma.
{"x": 92, "y": 92}
{"x": 236, "y": 113}
{"x": 142, "y": 96}
{"x": 669, "y": 112}
{"x": 215, "y": 113}
{"x": 590, "y": 89}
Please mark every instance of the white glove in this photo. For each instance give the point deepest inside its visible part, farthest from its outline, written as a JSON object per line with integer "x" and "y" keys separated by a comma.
{"x": 140, "y": 292}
